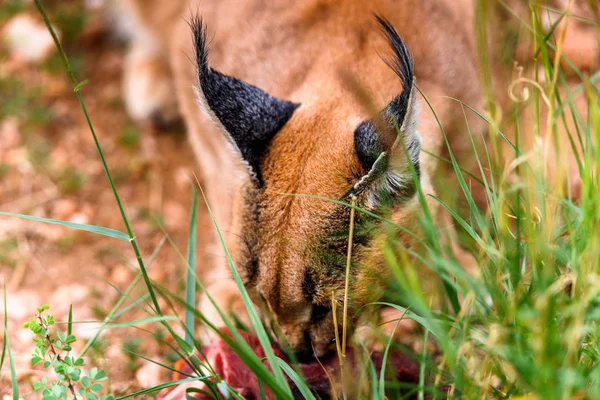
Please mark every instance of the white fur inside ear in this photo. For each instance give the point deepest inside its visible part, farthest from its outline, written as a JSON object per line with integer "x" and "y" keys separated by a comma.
{"x": 412, "y": 113}
{"x": 412, "y": 138}
{"x": 390, "y": 173}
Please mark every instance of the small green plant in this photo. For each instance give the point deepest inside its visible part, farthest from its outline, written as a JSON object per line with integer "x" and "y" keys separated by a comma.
{"x": 129, "y": 138}
{"x": 70, "y": 180}
{"x": 53, "y": 351}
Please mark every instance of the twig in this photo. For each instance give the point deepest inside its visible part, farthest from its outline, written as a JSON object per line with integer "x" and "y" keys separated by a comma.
{"x": 347, "y": 284}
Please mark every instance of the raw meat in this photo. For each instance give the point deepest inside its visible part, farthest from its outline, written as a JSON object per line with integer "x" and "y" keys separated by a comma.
{"x": 317, "y": 373}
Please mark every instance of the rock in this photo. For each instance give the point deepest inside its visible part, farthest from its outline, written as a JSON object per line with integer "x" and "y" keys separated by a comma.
{"x": 175, "y": 215}
{"x": 28, "y": 39}
{"x": 79, "y": 218}
{"x": 182, "y": 177}
{"x": 121, "y": 276}
{"x": 148, "y": 375}
{"x": 64, "y": 209}
{"x": 21, "y": 305}
{"x": 9, "y": 132}
{"x": 66, "y": 295}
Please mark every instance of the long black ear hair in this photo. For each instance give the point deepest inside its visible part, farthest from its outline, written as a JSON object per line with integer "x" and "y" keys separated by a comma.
{"x": 387, "y": 144}
{"x": 249, "y": 116}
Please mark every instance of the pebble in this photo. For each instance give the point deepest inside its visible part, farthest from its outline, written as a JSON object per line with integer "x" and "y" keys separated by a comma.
{"x": 9, "y": 132}
{"x": 21, "y": 305}
{"x": 79, "y": 218}
{"x": 66, "y": 295}
{"x": 28, "y": 39}
{"x": 148, "y": 375}
{"x": 64, "y": 209}
{"x": 120, "y": 276}
{"x": 175, "y": 216}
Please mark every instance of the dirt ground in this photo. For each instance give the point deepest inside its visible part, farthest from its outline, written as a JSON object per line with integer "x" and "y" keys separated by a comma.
{"x": 49, "y": 168}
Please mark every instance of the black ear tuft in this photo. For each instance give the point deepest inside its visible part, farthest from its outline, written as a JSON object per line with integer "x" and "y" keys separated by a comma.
{"x": 250, "y": 116}
{"x": 403, "y": 66}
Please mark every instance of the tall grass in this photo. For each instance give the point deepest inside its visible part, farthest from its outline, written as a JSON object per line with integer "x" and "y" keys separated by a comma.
{"x": 527, "y": 324}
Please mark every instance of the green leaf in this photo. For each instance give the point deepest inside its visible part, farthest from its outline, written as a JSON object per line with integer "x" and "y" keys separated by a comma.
{"x": 85, "y": 381}
{"x": 97, "y": 387}
{"x": 100, "y": 230}
{"x": 75, "y": 375}
{"x": 185, "y": 346}
{"x": 70, "y": 325}
{"x": 80, "y": 85}
{"x": 56, "y": 390}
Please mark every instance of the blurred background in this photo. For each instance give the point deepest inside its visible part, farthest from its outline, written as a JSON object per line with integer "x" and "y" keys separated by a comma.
{"x": 49, "y": 167}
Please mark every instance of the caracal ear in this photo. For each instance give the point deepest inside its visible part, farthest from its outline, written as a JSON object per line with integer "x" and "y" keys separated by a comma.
{"x": 389, "y": 144}
{"x": 248, "y": 116}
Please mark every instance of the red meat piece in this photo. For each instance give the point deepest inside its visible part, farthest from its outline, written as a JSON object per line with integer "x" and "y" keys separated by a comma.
{"x": 232, "y": 370}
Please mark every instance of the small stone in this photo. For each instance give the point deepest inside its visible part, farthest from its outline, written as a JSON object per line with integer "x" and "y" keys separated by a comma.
{"x": 22, "y": 305}
{"x": 182, "y": 178}
{"x": 9, "y": 132}
{"x": 28, "y": 39}
{"x": 64, "y": 209}
{"x": 175, "y": 216}
{"x": 120, "y": 276}
{"x": 66, "y": 295}
{"x": 79, "y": 218}
{"x": 148, "y": 375}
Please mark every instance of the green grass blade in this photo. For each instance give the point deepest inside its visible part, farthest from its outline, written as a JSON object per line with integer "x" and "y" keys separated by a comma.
{"x": 298, "y": 381}
{"x": 100, "y": 230}
{"x": 5, "y": 326}
{"x": 190, "y": 281}
{"x": 165, "y": 366}
{"x": 422, "y": 367}
{"x": 158, "y": 318}
{"x": 11, "y": 361}
{"x": 385, "y": 356}
{"x": 70, "y": 321}
{"x": 163, "y": 386}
